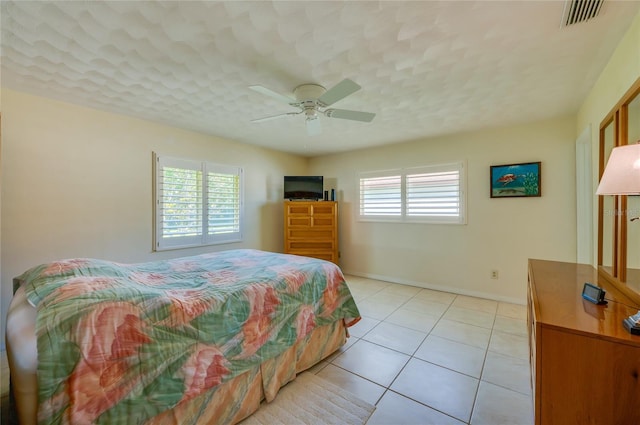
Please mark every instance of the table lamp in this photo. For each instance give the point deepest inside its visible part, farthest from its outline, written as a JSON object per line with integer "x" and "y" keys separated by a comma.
{"x": 622, "y": 174}
{"x": 622, "y": 177}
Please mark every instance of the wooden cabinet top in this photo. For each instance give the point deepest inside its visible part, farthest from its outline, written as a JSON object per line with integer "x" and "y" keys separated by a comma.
{"x": 310, "y": 207}
{"x": 310, "y": 202}
{"x": 556, "y": 291}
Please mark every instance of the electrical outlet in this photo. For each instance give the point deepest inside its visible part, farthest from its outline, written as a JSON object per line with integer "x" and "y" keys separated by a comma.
{"x": 494, "y": 274}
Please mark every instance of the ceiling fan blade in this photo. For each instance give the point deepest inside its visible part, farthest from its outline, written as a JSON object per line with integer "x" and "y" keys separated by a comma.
{"x": 271, "y": 93}
{"x": 313, "y": 127}
{"x": 275, "y": 117}
{"x": 341, "y": 90}
{"x": 346, "y": 114}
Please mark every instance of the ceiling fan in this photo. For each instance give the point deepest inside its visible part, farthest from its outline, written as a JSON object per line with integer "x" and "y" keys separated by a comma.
{"x": 312, "y": 100}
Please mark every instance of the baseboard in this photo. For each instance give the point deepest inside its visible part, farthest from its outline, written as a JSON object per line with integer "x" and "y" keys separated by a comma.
{"x": 452, "y": 289}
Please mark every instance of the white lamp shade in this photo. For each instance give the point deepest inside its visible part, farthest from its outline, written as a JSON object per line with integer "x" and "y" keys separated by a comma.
{"x": 622, "y": 174}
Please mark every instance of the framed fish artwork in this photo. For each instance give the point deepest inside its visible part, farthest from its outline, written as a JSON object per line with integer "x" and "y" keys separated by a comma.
{"x": 515, "y": 180}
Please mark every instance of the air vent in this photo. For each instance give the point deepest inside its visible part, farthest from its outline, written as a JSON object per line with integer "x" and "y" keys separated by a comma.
{"x": 576, "y": 11}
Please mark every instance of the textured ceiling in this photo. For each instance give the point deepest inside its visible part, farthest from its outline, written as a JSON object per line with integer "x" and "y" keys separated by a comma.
{"x": 426, "y": 68}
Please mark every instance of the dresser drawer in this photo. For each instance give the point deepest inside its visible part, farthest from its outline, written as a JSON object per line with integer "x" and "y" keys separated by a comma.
{"x": 322, "y": 208}
{"x": 311, "y": 233}
{"x": 310, "y": 221}
{"x": 299, "y": 209}
{"x": 299, "y": 221}
{"x": 322, "y": 220}
{"x": 301, "y": 245}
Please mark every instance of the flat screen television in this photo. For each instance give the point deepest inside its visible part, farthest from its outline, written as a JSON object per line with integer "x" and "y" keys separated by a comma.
{"x": 303, "y": 187}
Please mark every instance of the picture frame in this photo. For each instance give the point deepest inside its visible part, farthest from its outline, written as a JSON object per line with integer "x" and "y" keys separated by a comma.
{"x": 515, "y": 180}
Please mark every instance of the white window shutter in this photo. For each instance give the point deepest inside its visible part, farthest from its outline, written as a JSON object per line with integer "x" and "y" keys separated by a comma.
{"x": 224, "y": 203}
{"x": 191, "y": 210}
{"x": 381, "y": 196}
{"x": 434, "y": 195}
{"x": 428, "y": 194}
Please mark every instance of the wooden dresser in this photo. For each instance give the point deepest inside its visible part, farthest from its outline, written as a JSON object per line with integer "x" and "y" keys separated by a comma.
{"x": 585, "y": 366}
{"x": 311, "y": 229}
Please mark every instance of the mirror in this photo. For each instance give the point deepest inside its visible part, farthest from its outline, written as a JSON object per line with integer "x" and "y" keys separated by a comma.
{"x": 633, "y": 203}
{"x": 608, "y": 206}
{"x": 618, "y": 236}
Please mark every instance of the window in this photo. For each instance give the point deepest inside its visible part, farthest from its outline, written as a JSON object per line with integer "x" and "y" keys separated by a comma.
{"x": 196, "y": 203}
{"x": 432, "y": 194}
{"x": 381, "y": 195}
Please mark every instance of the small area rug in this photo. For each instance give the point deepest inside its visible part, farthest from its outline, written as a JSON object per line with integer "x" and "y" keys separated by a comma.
{"x": 309, "y": 400}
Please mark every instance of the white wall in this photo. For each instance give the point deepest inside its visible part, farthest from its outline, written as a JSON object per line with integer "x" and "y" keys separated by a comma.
{"x": 77, "y": 182}
{"x": 501, "y": 233}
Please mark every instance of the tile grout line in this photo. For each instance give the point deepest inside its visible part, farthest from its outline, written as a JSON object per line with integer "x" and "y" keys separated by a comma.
{"x": 486, "y": 350}
{"x": 411, "y": 356}
{"x": 484, "y": 361}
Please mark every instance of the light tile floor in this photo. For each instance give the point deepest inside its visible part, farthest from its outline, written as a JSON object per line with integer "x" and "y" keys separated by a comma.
{"x": 429, "y": 357}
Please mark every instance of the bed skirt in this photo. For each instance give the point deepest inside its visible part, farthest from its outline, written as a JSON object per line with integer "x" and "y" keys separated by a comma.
{"x": 228, "y": 403}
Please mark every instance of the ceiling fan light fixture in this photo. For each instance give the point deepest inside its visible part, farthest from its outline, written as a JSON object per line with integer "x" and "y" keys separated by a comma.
{"x": 312, "y": 99}
{"x": 314, "y": 127}
{"x": 311, "y": 113}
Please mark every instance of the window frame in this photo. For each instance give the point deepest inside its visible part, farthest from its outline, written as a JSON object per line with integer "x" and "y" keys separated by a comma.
{"x": 403, "y": 173}
{"x": 164, "y": 243}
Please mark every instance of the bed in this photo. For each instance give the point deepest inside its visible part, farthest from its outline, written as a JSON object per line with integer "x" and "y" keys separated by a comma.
{"x": 194, "y": 340}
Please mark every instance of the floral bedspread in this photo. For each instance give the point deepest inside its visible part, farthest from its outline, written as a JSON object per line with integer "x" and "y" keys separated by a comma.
{"x": 121, "y": 343}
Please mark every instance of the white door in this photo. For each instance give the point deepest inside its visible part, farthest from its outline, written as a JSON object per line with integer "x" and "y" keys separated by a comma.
{"x": 584, "y": 198}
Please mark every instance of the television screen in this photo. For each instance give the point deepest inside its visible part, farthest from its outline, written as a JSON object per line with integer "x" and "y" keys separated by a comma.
{"x": 303, "y": 187}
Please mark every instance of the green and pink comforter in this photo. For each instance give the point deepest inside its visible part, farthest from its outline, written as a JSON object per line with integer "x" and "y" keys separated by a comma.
{"x": 121, "y": 343}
